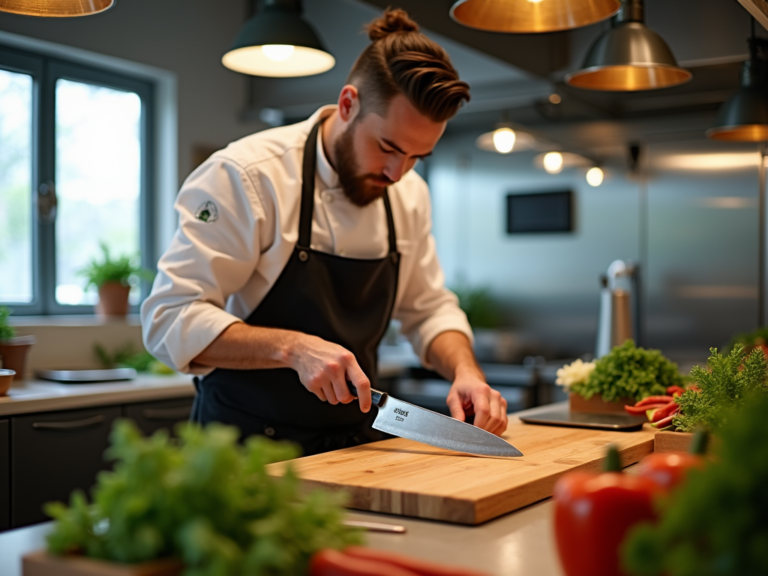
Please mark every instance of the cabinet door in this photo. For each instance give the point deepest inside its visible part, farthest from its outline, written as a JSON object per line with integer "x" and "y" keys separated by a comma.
{"x": 53, "y": 454}
{"x": 153, "y": 416}
{"x": 5, "y": 477}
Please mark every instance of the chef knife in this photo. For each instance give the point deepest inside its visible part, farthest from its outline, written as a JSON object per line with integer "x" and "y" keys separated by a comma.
{"x": 415, "y": 423}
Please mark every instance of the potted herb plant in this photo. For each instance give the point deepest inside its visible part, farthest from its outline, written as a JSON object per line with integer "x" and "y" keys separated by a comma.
{"x": 112, "y": 277}
{"x": 13, "y": 349}
{"x": 202, "y": 504}
{"x": 622, "y": 377}
{"x": 493, "y": 343}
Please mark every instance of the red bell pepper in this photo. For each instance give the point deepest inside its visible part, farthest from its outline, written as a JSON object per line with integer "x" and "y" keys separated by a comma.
{"x": 663, "y": 412}
{"x": 668, "y": 469}
{"x": 359, "y": 561}
{"x": 637, "y": 410}
{"x": 655, "y": 400}
{"x": 593, "y": 513}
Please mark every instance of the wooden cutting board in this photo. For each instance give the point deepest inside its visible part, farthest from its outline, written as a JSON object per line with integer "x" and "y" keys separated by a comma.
{"x": 407, "y": 478}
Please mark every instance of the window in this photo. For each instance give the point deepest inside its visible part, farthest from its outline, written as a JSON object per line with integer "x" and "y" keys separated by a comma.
{"x": 75, "y": 173}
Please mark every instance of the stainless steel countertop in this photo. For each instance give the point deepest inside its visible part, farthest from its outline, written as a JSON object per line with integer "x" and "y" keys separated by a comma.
{"x": 520, "y": 543}
{"x": 45, "y": 396}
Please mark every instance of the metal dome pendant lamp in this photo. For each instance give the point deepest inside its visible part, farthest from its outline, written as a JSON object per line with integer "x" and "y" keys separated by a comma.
{"x": 55, "y": 8}
{"x": 744, "y": 117}
{"x": 531, "y": 16}
{"x": 629, "y": 57}
{"x": 277, "y": 42}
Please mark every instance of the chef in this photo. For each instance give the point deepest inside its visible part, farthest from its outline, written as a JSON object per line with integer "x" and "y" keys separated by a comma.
{"x": 296, "y": 247}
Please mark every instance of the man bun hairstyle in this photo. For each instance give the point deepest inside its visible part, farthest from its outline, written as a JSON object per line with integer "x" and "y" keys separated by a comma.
{"x": 402, "y": 60}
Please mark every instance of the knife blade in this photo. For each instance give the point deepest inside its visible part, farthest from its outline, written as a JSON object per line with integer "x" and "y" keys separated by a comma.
{"x": 421, "y": 425}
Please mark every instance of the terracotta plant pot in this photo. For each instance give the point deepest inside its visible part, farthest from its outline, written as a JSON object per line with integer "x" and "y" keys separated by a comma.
{"x": 13, "y": 354}
{"x": 596, "y": 405}
{"x": 113, "y": 299}
{"x": 41, "y": 563}
{"x": 6, "y": 379}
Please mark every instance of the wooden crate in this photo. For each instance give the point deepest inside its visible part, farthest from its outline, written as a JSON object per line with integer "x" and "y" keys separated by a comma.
{"x": 41, "y": 563}
{"x": 596, "y": 405}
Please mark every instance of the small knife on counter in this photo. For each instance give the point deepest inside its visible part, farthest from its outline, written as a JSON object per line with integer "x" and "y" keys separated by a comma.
{"x": 421, "y": 425}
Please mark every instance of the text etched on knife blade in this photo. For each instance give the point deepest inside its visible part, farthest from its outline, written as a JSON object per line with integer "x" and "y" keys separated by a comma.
{"x": 402, "y": 415}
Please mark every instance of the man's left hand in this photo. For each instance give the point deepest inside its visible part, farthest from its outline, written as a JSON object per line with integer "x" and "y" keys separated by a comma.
{"x": 471, "y": 396}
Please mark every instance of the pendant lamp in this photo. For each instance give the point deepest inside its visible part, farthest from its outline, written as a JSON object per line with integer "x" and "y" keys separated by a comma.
{"x": 629, "y": 57}
{"x": 744, "y": 117}
{"x": 277, "y": 42}
{"x": 527, "y": 16}
{"x": 55, "y": 8}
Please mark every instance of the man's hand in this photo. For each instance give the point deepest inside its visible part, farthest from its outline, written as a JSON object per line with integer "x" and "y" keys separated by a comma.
{"x": 471, "y": 396}
{"x": 324, "y": 369}
{"x": 451, "y": 355}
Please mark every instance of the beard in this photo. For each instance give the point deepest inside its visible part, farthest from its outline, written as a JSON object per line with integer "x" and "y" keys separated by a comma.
{"x": 357, "y": 188}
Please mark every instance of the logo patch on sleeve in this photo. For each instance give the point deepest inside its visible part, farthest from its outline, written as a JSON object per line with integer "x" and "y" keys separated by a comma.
{"x": 207, "y": 212}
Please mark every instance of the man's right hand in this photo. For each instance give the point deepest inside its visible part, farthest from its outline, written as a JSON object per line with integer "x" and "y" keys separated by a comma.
{"x": 325, "y": 367}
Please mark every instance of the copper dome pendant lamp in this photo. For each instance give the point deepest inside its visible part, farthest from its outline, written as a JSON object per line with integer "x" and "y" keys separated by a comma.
{"x": 629, "y": 57}
{"x": 55, "y": 8}
{"x": 744, "y": 117}
{"x": 531, "y": 16}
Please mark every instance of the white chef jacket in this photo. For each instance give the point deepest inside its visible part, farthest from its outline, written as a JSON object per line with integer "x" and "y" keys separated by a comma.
{"x": 238, "y": 225}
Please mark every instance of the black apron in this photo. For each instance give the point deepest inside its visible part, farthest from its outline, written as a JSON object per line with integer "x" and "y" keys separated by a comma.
{"x": 347, "y": 301}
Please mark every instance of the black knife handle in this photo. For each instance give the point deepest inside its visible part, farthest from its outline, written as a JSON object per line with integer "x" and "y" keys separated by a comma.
{"x": 377, "y": 396}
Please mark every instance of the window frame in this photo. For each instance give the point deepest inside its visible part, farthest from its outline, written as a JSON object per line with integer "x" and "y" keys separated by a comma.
{"x": 45, "y": 72}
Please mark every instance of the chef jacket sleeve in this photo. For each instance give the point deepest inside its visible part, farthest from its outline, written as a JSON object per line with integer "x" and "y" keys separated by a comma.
{"x": 426, "y": 308}
{"x": 213, "y": 254}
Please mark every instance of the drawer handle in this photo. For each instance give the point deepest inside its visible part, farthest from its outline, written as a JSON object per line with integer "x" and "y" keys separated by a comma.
{"x": 166, "y": 413}
{"x": 73, "y": 425}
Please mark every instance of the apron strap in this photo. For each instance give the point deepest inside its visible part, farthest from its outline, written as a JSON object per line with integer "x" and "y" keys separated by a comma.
{"x": 309, "y": 167}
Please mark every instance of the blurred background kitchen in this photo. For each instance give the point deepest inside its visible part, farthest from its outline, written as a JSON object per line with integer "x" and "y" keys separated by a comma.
{"x": 138, "y": 97}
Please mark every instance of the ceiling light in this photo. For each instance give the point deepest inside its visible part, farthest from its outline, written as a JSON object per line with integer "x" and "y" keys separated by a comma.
{"x": 629, "y": 57}
{"x": 55, "y": 8}
{"x": 595, "y": 176}
{"x": 505, "y": 140}
{"x": 277, "y": 42}
{"x": 744, "y": 117}
{"x": 553, "y": 162}
{"x": 527, "y": 16}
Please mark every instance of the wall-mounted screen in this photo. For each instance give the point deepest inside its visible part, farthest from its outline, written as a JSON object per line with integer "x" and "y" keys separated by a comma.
{"x": 540, "y": 212}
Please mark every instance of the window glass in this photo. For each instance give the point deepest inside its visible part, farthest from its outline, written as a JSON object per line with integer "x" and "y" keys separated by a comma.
{"x": 98, "y": 182}
{"x": 15, "y": 187}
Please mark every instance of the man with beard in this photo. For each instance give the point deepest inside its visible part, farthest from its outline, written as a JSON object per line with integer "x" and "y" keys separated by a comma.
{"x": 296, "y": 247}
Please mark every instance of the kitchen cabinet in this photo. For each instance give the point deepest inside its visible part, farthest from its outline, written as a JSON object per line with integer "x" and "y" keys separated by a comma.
{"x": 53, "y": 454}
{"x": 153, "y": 416}
{"x": 5, "y": 477}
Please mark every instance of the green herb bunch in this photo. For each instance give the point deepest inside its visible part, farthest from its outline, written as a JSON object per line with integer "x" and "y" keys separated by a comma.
{"x": 715, "y": 523}
{"x": 127, "y": 356}
{"x": 6, "y": 330}
{"x": 204, "y": 499}
{"x": 630, "y": 372}
{"x": 725, "y": 385}
{"x": 122, "y": 269}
